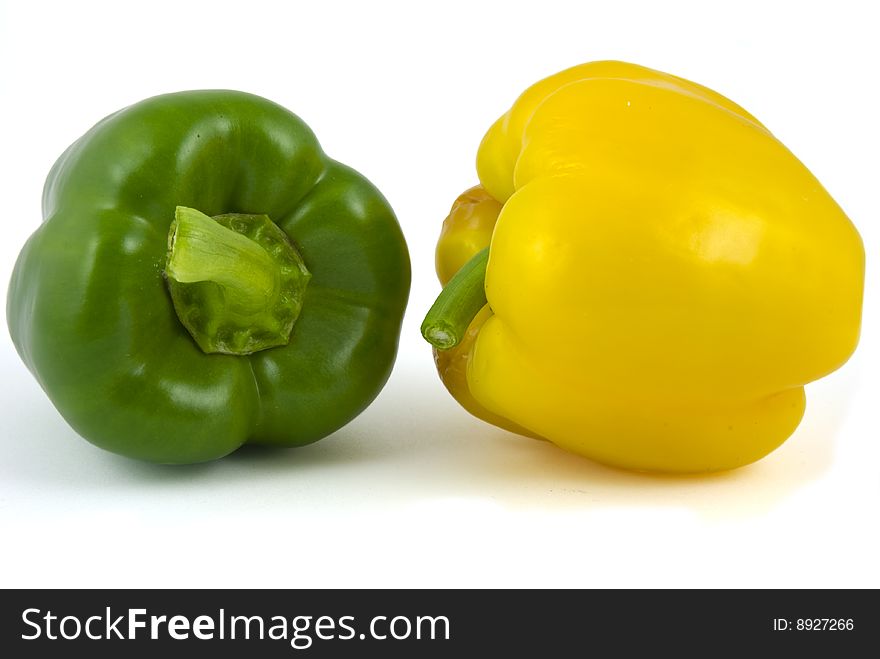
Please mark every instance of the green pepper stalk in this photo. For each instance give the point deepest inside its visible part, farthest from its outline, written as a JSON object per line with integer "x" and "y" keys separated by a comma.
{"x": 236, "y": 280}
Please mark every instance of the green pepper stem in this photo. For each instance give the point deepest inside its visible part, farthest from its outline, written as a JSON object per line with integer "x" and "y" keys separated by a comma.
{"x": 236, "y": 280}
{"x": 202, "y": 249}
{"x": 460, "y": 300}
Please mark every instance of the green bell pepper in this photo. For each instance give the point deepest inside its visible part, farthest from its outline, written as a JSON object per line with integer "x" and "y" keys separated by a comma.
{"x": 205, "y": 277}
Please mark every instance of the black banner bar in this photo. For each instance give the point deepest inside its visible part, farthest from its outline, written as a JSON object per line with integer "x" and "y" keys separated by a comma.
{"x": 433, "y": 623}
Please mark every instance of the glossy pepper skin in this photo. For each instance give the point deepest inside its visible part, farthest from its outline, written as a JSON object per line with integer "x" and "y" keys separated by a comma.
{"x": 663, "y": 275}
{"x": 90, "y": 309}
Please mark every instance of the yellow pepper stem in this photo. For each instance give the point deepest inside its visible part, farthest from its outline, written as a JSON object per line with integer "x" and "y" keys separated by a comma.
{"x": 459, "y": 301}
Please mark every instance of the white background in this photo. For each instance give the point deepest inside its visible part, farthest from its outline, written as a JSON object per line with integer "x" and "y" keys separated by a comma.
{"x": 415, "y": 492}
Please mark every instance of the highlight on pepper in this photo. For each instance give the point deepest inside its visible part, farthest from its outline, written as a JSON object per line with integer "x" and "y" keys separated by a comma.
{"x": 204, "y": 277}
{"x": 644, "y": 276}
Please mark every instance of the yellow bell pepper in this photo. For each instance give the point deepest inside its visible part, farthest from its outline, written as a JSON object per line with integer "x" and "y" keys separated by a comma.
{"x": 662, "y": 275}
